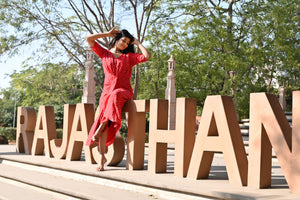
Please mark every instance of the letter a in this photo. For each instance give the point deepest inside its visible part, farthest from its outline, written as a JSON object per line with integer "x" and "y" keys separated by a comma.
{"x": 59, "y": 146}
{"x": 45, "y": 130}
{"x": 83, "y": 120}
{"x": 219, "y": 132}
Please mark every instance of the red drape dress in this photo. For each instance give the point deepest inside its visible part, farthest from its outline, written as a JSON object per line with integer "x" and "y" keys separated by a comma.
{"x": 116, "y": 90}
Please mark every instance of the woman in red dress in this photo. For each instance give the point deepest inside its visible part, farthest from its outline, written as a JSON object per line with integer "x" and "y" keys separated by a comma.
{"x": 117, "y": 64}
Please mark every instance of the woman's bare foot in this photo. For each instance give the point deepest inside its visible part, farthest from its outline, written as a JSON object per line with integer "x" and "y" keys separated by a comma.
{"x": 101, "y": 163}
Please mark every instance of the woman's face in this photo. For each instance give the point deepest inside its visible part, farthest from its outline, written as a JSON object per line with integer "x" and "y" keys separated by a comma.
{"x": 122, "y": 43}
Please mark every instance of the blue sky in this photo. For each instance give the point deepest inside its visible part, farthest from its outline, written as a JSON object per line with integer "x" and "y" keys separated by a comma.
{"x": 7, "y": 66}
{"x": 10, "y": 64}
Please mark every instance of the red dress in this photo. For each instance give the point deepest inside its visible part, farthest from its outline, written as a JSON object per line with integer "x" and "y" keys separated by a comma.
{"x": 116, "y": 90}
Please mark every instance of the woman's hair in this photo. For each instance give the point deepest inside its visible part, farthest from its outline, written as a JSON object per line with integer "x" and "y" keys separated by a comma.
{"x": 123, "y": 33}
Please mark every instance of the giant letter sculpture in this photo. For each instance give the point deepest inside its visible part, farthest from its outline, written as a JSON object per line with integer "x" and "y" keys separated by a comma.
{"x": 115, "y": 152}
{"x": 83, "y": 120}
{"x": 136, "y": 133}
{"x": 135, "y": 137}
{"x": 219, "y": 132}
{"x": 59, "y": 146}
{"x": 45, "y": 130}
{"x": 183, "y": 136}
{"x": 25, "y": 129}
{"x": 270, "y": 128}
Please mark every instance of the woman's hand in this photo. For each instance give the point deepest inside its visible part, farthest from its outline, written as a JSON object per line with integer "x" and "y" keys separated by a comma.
{"x": 135, "y": 41}
{"x": 113, "y": 32}
{"x": 145, "y": 52}
{"x": 91, "y": 38}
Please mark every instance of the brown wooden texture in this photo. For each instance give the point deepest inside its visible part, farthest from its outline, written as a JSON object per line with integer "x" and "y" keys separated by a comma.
{"x": 26, "y": 119}
{"x": 219, "y": 132}
{"x": 59, "y": 146}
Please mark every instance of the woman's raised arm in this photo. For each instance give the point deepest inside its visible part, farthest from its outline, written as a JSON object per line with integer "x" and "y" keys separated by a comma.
{"x": 144, "y": 51}
{"x": 91, "y": 38}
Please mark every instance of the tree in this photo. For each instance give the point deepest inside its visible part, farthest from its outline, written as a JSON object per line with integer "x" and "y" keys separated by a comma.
{"x": 275, "y": 39}
{"x": 60, "y": 26}
{"x": 8, "y": 100}
{"x": 48, "y": 84}
{"x": 154, "y": 72}
{"x": 229, "y": 47}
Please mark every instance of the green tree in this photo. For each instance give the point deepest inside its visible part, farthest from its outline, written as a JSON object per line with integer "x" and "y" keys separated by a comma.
{"x": 8, "y": 102}
{"x": 275, "y": 41}
{"x": 59, "y": 27}
{"x": 48, "y": 84}
{"x": 154, "y": 72}
{"x": 229, "y": 47}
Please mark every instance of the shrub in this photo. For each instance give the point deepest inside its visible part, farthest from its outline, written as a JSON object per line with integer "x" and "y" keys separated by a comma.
{"x": 8, "y": 132}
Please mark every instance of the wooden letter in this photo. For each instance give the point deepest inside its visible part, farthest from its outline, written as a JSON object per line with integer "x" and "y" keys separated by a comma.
{"x": 25, "y": 129}
{"x": 115, "y": 152}
{"x": 135, "y": 137}
{"x": 183, "y": 136}
{"x": 270, "y": 128}
{"x": 83, "y": 120}
{"x": 45, "y": 130}
{"x": 136, "y": 133}
{"x": 59, "y": 146}
{"x": 219, "y": 132}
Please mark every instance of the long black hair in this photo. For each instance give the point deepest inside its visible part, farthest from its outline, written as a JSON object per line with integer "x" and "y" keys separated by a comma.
{"x": 123, "y": 33}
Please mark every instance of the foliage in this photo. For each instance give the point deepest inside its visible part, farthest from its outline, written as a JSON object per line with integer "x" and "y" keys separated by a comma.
{"x": 221, "y": 48}
{"x": 227, "y": 47}
{"x": 8, "y": 99}
{"x": 154, "y": 72}
{"x": 59, "y": 27}
{"x": 9, "y": 133}
{"x": 48, "y": 84}
{"x": 123, "y": 130}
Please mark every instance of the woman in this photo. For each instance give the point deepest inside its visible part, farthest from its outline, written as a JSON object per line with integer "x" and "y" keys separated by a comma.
{"x": 117, "y": 64}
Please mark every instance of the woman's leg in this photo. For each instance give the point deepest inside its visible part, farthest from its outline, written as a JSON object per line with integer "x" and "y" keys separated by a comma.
{"x": 102, "y": 150}
{"x": 99, "y": 130}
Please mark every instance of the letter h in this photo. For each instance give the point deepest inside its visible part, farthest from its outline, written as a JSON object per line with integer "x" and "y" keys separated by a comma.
{"x": 183, "y": 136}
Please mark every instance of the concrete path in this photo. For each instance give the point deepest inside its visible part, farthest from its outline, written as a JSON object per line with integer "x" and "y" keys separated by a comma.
{"x": 78, "y": 179}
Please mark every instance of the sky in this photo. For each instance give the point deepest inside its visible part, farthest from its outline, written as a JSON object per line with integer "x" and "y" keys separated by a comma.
{"x": 10, "y": 64}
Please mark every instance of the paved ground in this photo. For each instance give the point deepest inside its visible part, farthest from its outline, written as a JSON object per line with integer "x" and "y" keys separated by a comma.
{"x": 141, "y": 182}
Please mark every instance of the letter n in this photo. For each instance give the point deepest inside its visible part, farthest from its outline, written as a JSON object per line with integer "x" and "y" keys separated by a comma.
{"x": 25, "y": 129}
{"x": 45, "y": 130}
{"x": 183, "y": 136}
{"x": 270, "y": 128}
{"x": 219, "y": 132}
{"x": 83, "y": 120}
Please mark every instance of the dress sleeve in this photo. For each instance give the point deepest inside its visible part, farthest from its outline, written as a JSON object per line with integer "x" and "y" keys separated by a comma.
{"x": 100, "y": 51}
{"x": 136, "y": 58}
